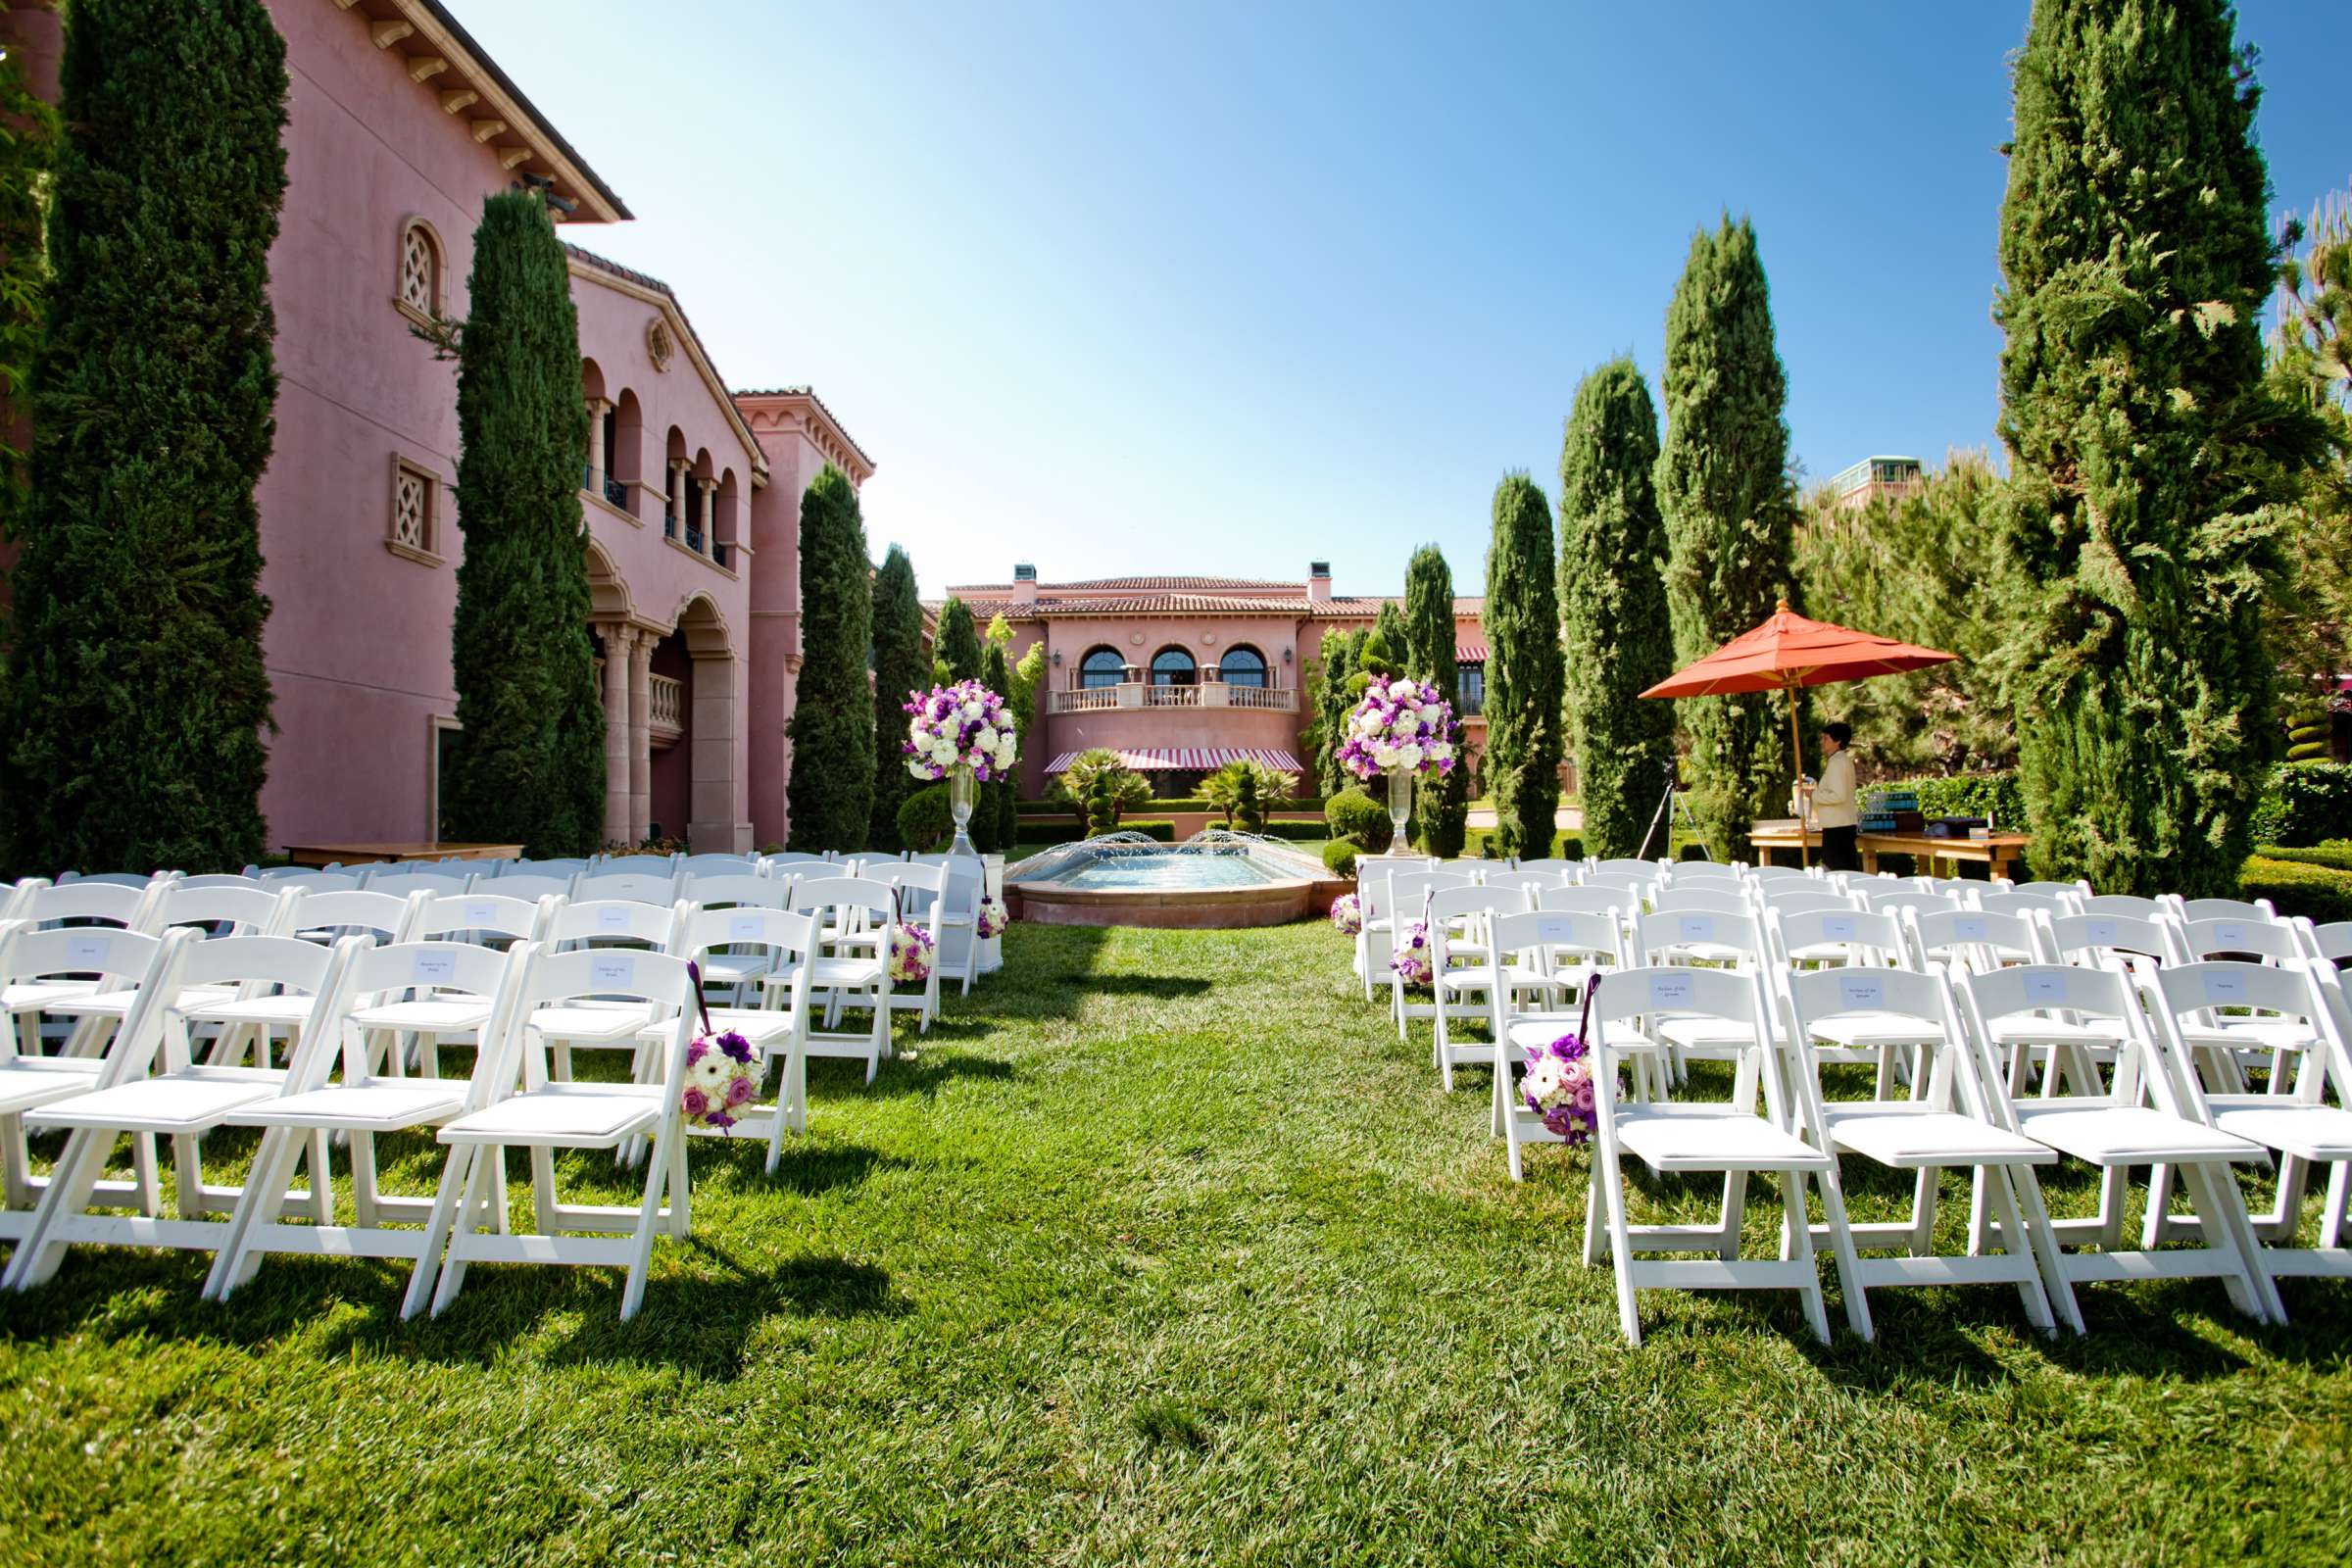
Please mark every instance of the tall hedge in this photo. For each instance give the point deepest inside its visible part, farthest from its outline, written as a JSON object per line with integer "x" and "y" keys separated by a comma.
{"x": 1522, "y": 620}
{"x": 29, "y": 131}
{"x": 137, "y": 696}
{"x": 830, "y": 794}
{"x": 1724, "y": 487}
{"x": 1613, "y": 608}
{"x": 2149, "y": 461}
{"x": 900, "y": 667}
{"x": 959, "y": 640}
{"x": 1441, "y": 801}
{"x": 530, "y": 764}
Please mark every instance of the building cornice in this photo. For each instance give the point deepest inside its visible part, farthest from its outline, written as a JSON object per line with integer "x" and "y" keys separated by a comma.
{"x": 800, "y": 411}
{"x": 609, "y": 274}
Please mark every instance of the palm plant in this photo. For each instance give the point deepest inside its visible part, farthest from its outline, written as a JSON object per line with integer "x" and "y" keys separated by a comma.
{"x": 1242, "y": 789}
{"x": 1123, "y": 789}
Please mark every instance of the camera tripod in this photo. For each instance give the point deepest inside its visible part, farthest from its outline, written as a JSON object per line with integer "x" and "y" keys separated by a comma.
{"x": 1672, "y": 808}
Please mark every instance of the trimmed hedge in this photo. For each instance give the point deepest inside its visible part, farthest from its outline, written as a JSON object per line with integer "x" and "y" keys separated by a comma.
{"x": 1564, "y": 846}
{"x": 1355, "y": 816}
{"x": 1187, "y": 802}
{"x": 1339, "y": 856}
{"x": 2336, "y": 854}
{"x": 2322, "y": 893}
{"x": 2306, "y": 803}
{"x": 1995, "y": 795}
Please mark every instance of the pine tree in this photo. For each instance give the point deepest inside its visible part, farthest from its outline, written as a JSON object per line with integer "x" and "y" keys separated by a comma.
{"x": 1613, "y": 608}
{"x": 1522, "y": 766}
{"x": 530, "y": 766}
{"x": 137, "y": 696}
{"x": 900, "y": 666}
{"x": 958, "y": 640}
{"x": 1723, "y": 484}
{"x": 831, "y": 792}
{"x": 1441, "y": 801}
{"x": 2150, "y": 462}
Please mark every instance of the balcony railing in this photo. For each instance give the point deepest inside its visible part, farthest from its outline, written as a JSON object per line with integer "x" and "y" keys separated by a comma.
{"x": 665, "y": 703}
{"x": 694, "y": 539}
{"x": 616, "y": 493}
{"x": 1134, "y": 693}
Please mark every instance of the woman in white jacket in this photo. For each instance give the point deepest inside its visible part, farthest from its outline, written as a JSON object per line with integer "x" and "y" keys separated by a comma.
{"x": 1836, "y": 808}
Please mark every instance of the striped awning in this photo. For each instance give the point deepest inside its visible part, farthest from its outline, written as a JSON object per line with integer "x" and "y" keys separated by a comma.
{"x": 1188, "y": 758}
{"x": 1470, "y": 653}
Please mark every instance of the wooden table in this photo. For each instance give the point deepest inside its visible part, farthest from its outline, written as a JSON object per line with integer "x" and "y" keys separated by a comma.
{"x": 2002, "y": 853}
{"x": 358, "y": 854}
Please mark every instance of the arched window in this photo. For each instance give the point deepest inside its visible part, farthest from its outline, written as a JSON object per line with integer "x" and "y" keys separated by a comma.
{"x": 1243, "y": 665}
{"x": 419, "y": 292}
{"x": 1173, "y": 666}
{"x": 1101, "y": 666}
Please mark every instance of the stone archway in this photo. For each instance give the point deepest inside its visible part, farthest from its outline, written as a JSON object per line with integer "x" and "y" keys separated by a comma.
{"x": 717, "y": 795}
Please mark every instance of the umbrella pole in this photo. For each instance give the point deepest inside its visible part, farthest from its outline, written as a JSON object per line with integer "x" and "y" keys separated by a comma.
{"x": 1796, "y": 756}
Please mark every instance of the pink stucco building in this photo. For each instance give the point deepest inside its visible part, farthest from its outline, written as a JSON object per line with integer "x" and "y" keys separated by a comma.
{"x": 1182, "y": 674}
{"x": 398, "y": 126}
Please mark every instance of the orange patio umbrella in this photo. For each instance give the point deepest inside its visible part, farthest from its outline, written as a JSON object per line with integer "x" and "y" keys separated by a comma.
{"x": 1787, "y": 652}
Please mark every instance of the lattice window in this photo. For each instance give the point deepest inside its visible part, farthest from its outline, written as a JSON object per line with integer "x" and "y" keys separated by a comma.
{"x": 413, "y": 520}
{"x": 419, "y": 271}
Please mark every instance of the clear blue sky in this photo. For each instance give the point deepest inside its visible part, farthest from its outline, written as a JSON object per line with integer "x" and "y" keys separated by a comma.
{"x": 1221, "y": 288}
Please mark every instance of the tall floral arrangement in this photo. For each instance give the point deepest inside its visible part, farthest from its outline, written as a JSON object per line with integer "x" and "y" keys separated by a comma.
{"x": 1400, "y": 723}
{"x": 965, "y": 723}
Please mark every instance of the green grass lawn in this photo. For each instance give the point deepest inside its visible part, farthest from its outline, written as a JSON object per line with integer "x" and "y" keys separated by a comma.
{"x": 1161, "y": 1249}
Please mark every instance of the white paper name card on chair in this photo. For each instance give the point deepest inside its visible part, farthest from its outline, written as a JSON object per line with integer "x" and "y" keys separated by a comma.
{"x": 745, "y": 928}
{"x": 2099, "y": 933}
{"x": 433, "y": 968}
{"x": 480, "y": 914}
{"x": 1670, "y": 990}
{"x": 1837, "y": 928}
{"x": 615, "y": 969}
{"x": 2229, "y": 933}
{"x": 2226, "y": 989}
{"x": 1696, "y": 928}
{"x": 2046, "y": 989}
{"x": 1969, "y": 928}
{"x": 1861, "y": 990}
{"x": 1555, "y": 928}
{"x": 89, "y": 951}
{"x": 613, "y": 918}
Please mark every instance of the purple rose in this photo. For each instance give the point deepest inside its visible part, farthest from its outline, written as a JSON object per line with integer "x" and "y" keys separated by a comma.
{"x": 696, "y": 1102}
{"x": 739, "y": 1090}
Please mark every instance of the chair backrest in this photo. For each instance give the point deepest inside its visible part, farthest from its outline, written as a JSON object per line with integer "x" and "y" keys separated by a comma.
{"x": 1894, "y": 898}
{"x": 1977, "y": 940}
{"x": 821, "y": 895}
{"x": 217, "y": 879}
{"x": 2127, "y": 903}
{"x": 2332, "y": 941}
{"x": 1660, "y": 939}
{"x": 2094, "y": 939}
{"x": 660, "y": 866}
{"x": 2192, "y": 990}
{"x": 1704, "y": 873}
{"x": 742, "y": 888}
{"x": 400, "y": 884}
{"x": 1864, "y": 939}
{"x": 783, "y": 862}
{"x": 119, "y": 879}
{"x": 322, "y": 882}
{"x": 386, "y": 916}
{"x": 1768, "y": 874}
{"x": 564, "y": 868}
{"x": 1678, "y": 899}
{"x": 2056, "y": 890}
{"x": 2227, "y": 909}
{"x": 2025, "y": 904}
{"x": 87, "y": 900}
{"x": 1798, "y": 897}
{"x": 612, "y": 922}
{"x": 1648, "y": 870}
{"x": 790, "y": 936}
{"x": 637, "y": 887}
{"x": 439, "y": 968}
{"x": 1551, "y": 931}
{"x": 1989, "y": 995}
{"x": 480, "y": 914}
{"x": 2275, "y": 940}
{"x": 1813, "y": 997}
{"x": 1443, "y": 907}
{"x": 246, "y": 911}
{"x": 1521, "y": 880}
{"x": 549, "y": 978}
{"x": 699, "y": 867}
{"x": 522, "y": 885}
{"x": 1589, "y": 900}
{"x": 119, "y": 958}
{"x": 1550, "y": 864}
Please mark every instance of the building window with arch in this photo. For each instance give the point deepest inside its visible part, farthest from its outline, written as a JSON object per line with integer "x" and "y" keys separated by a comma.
{"x": 1173, "y": 666}
{"x": 1101, "y": 666}
{"x": 418, "y": 291}
{"x": 1471, "y": 686}
{"x": 1243, "y": 665}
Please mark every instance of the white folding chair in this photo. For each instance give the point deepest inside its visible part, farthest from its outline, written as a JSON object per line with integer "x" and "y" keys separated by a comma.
{"x": 855, "y": 920}
{"x": 2115, "y": 1129}
{"x": 2125, "y": 903}
{"x": 630, "y": 887}
{"x": 1948, "y": 1124}
{"x": 609, "y": 1024}
{"x": 1894, "y": 1044}
{"x": 786, "y": 943}
{"x": 923, "y": 892}
{"x": 416, "y": 1021}
{"x": 957, "y": 928}
{"x": 1457, "y": 919}
{"x": 1707, "y": 899}
{"x": 435, "y": 883}
{"x": 1689, "y": 1138}
{"x": 153, "y": 1085}
{"x": 1590, "y": 944}
{"x": 2056, "y": 890}
{"x": 546, "y": 1116}
{"x": 361, "y": 1106}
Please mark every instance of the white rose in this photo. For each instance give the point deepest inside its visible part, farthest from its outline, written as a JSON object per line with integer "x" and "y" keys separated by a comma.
{"x": 1404, "y": 689}
{"x": 1409, "y": 755}
{"x": 985, "y": 738}
{"x": 1385, "y": 755}
{"x": 1432, "y": 714}
{"x": 972, "y": 710}
{"x": 918, "y": 767}
{"x": 1006, "y": 750}
{"x": 1439, "y": 751}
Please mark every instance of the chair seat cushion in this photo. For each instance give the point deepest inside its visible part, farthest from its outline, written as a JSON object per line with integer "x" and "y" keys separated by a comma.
{"x": 115, "y": 1003}
{"x": 2028, "y": 1030}
{"x": 732, "y": 968}
{"x": 1481, "y": 976}
{"x": 761, "y": 1026}
{"x": 1910, "y": 1139}
{"x": 1680, "y": 1137}
{"x": 1864, "y": 1031}
{"x": 2251, "y": 1034}
{"x": 193, "y": 1100}
{"x": 32, "y": 995}
{"x": 587, "y": 1020}
{"x": 281, "y": 1009}
{"x": 1530, "y": 1030}
{"x": 834, "y": 973}
{"x": 2315, "y": 1131}
{"x": 30, "y": 1081}
{"x": 575, "y": 1115}
{"x": 382, "y": 1105}
{"x": 1707, "y": 1034}
{"x": 2128, "y": 1135}
{"x": 431, "y": 1016}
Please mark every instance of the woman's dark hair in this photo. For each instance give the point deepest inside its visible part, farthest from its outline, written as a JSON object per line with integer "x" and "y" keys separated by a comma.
{"x": 1840, "y": 732}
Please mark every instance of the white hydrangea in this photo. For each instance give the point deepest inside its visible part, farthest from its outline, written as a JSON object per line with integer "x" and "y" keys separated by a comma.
{"x": 985, "y": 738}
{"x": 1409, "y": 755}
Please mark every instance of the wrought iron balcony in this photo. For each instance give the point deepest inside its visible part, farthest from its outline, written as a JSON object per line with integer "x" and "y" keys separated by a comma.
{"x": 1136, "y": 695}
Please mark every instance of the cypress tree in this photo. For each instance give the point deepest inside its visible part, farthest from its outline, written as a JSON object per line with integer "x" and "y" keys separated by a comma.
{"x": 1523, "y": 670}
{"x": 1723, "y": 484}
{"x": 1613, "y": 608}
{"x": 959, "y": 640}
{"x": 900, "y": 667}
{"x": 136, "y": 694}
{"x": 1441, "y": 801}
{"x": 1382, "y": 652}
{"x": 994, "y": 813}
{"x": 1332, "y": 704}
{"x": 530, "y": 765}
{"x": 831, "y": 792}
{"x": 2149, "y": 458}
{"x": 29, "y": 131}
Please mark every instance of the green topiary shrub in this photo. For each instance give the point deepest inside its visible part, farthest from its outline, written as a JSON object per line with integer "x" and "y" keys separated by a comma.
{"x": 2319, "y": 893}
{"x": 1355, "y": 816}
{"x": 2307, "y": 802}
{"x": 926, "y": 822}
{"x": 2336, "y": 855}
{"x": 1340, "y": 856}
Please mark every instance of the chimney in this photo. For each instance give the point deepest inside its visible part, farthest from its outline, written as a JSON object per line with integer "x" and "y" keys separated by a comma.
{"x": 1024, "y": 585}
{"x": 1318, "y": 582}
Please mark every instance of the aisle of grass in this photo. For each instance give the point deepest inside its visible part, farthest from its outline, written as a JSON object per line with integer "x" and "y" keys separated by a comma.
{"x": 1162, "y": 1249}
